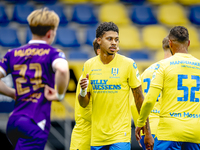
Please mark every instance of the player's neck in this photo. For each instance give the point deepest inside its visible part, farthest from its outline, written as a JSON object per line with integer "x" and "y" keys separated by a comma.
{"x": 106, "y": 58}
{"x": 40, "y": 38}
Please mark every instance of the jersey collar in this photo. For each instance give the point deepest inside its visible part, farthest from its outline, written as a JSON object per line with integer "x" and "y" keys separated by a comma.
{"x": 37, "y": 41}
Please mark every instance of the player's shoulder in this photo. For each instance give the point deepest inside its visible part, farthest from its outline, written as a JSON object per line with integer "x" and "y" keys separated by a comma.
{"x": 91, "y": 60}
{"x": 125, "y": 58}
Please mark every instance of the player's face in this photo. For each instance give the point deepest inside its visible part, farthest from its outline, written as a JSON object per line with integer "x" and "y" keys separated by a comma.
{"x": 109, "y": 42}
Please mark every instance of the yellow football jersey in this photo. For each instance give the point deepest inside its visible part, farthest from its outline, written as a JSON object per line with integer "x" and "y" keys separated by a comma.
{"x": 146, "y": 81}
{"x": 81, "y": 134}
{"x": 109, "y": 86}
{"x": 179, "y": 79}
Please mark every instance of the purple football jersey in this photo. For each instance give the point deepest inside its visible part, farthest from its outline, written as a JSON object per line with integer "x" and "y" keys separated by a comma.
{"x": 31, "y": 69}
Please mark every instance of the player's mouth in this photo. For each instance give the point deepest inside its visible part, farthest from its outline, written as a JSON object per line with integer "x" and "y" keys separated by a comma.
{"x": 113, "y": 48}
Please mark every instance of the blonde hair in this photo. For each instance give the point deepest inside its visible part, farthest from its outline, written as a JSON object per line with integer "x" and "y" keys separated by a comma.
{"x": 165, "y": 43}
{"x": 42, "y": 20}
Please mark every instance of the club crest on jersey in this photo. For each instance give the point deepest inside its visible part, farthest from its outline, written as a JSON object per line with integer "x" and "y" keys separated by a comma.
{"x": 114, "y": 71}
{"x": 61, "y": 54}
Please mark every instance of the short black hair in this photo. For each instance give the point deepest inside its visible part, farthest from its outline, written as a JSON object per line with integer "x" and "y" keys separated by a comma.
{"x": 179, "y": 33}
{"x": 104, "y": 27}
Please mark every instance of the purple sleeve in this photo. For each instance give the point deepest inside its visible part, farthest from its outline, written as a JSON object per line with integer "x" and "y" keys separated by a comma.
{"x": 57, "y": 53}
{"x": 4, "y": 62}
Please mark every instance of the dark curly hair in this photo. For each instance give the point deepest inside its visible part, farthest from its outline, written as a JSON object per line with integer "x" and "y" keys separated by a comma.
{"x": 95, "y": 46}
{"x": 104, "y": 27}
{"x": 179, "y": 33}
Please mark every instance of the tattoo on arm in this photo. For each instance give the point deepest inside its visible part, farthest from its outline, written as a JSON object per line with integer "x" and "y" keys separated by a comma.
{"x": 138, "y": 96}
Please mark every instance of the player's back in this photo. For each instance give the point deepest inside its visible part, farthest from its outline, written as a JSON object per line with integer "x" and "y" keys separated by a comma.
{"x": 179, "y": 76}
{"x": 31, "y": 68}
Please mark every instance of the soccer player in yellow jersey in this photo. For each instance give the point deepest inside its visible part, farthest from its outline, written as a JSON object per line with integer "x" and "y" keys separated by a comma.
{"x": 146, "y": 81}
{"x": 81, "y": 134}
{"x": 178, "y": 78}
{"x": 108, "y": 79}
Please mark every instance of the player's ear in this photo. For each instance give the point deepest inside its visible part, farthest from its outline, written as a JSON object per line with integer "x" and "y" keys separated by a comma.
{"x": 99, "y": 40}
{"x": 170, "y": 43}
{"x": 188, "y": 43}
{"x": 49, "y": 33}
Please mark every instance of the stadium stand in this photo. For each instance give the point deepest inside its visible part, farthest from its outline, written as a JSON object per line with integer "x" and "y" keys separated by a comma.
{"x": 67, "y": 37}
{"x": 9, "y": 37}
{"x": 103, "y": 1}
{"x": 21, "y": 11}
{"x": 74, "y": 1}
{"x": 143, "y": 15}
{"x": 129, "y": 38}
{"x": 84, "y": 14}
{"x": 140, "y": 55}
{"x": 115, "y": 12}
{"x": 90, "y": 34}
{"x": 194, "y": 15}
{"x": 160, "y": 2}
{"x": 3, "y": 16}
{"x": 172, "y": 14}
{"x": 153, "y": 36}
{"x": 136, "y": 2}
{"x": 190, "y": 2}
{"x": 59, "y": 9}
{"x": 73, "y": 55}
{"x": 17, "y": 1}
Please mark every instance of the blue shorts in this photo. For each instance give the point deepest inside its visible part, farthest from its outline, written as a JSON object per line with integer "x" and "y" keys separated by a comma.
{"x": 142, "y": 141}
{"x": 172, "y": 145}
{"x": 115, "y": 146}
{"x": 25, "y": 134}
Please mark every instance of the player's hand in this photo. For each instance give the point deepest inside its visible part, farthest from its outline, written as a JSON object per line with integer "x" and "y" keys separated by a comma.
{"x": 137, "y": 133}
{"x": 50, "y": 93}
{"x": 148, "y": 141}
{"x": 84, "y": 82}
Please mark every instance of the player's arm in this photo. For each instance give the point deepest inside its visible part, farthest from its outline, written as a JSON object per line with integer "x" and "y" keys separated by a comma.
{"x": 138, "y": 96}
{"x": 61, "y": 80}
{"x": 4, "y": 89}
{"x": 84, "y": 96}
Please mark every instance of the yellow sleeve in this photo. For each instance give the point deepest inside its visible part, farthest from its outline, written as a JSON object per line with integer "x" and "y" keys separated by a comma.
{"x": 134, "y": 112}
{"x": 134, "y": 76}
{"x": 148, "y": 105}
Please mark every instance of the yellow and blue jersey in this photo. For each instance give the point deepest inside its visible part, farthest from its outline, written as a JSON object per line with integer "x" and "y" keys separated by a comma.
{"x": 146, "y": 81}
{"x": 178, "y": 77}
{"x": 109, "y": 86}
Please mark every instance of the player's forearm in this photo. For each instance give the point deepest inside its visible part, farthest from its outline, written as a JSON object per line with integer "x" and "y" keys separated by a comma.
{"x": 148, "y": 105}
{"x": 138, "y": 96}
{"x": 6, "y": 90}
{"x": 84, "y": 101}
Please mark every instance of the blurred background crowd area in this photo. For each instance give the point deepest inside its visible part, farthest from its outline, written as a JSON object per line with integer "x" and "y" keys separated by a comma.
{"x": 142, "y": 26}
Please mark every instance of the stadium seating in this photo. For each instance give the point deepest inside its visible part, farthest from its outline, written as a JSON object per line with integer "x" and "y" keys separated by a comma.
{"x": 103, "y": 1}
{"x": 140, "y": 55}
{"x": 21, "y": 12}
{"x": 90, "y": 34}
{"x": 129, "y": 38}
{"x": 172, "y": 14}
{"x": 153, "y": 36}
{"x": 59, "y": 9}
{"x": 159, "y": 2}
{"x": 9, "y": 37}
{"x": 194, "y": 15}
{"x": 74, "y": 1}
{"x": 143, "y": 15}
{"x": 28, "y": 35}
{"x": 67, "y": 37}
{"x": 74, "y": 55}
{"x": 17, "y": 1}
{"x": 3, "y": 16}
{"x": 46, "y": 1}
{"x": 189, "y": 2}
{"x": 84, "y": 14}
{"x": 194, "y": 37}
{"x": 115, "y": 12}
{"x": 137, "y": 2}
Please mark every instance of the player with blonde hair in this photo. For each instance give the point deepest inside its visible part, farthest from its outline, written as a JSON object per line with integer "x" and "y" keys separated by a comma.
{"x": 35, "y": 68}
